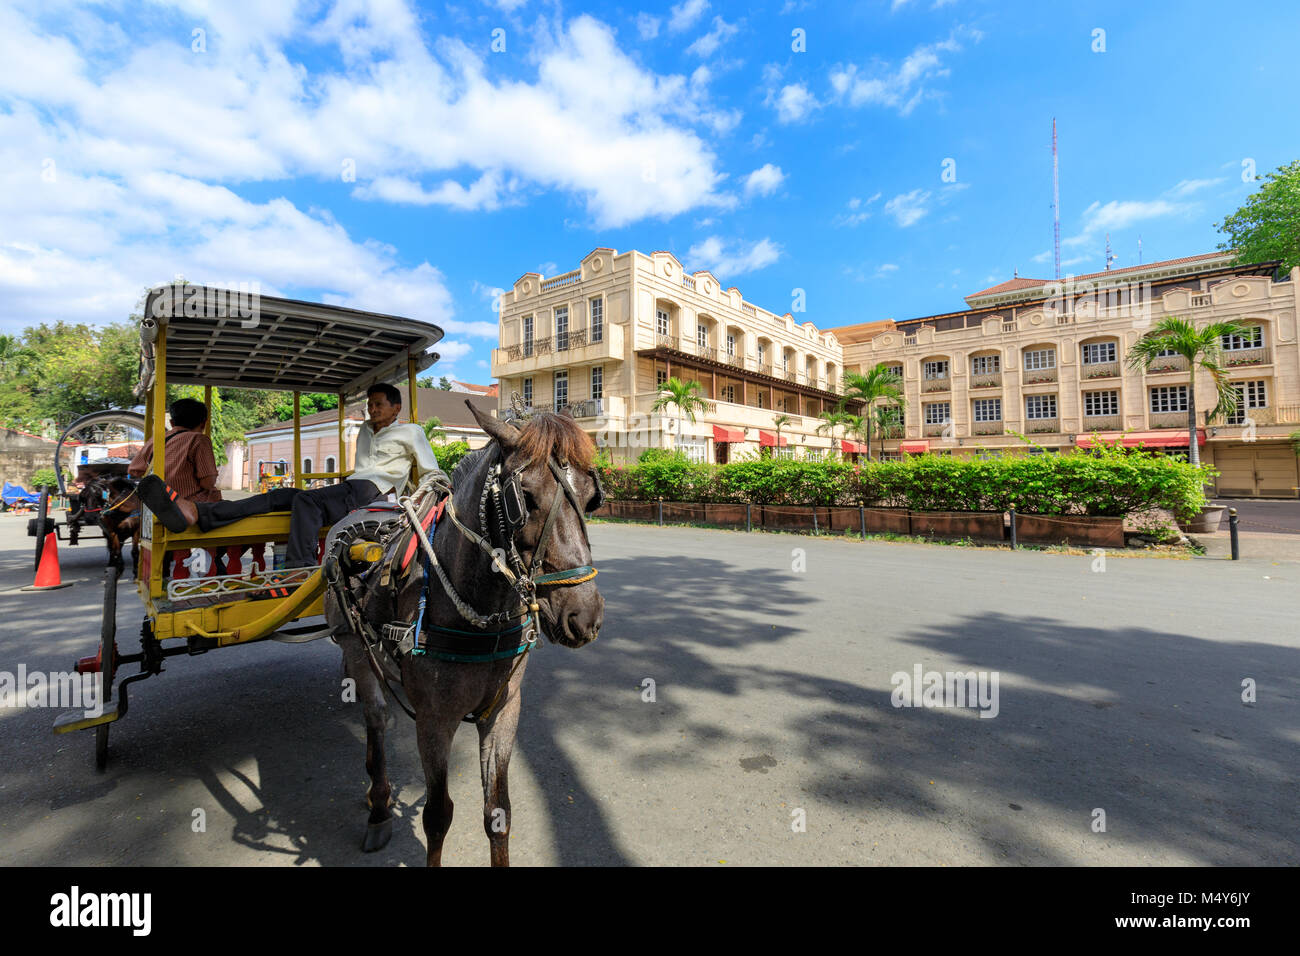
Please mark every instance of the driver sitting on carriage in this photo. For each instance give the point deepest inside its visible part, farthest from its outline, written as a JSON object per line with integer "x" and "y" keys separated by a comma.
{"x": 386, "y": 453}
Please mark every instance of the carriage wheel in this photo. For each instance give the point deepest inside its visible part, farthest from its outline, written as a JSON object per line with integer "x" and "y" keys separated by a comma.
{"x": 42, "y": 525}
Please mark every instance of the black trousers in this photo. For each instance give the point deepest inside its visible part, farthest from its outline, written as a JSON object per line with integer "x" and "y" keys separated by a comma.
{"x": 309, "y": 512}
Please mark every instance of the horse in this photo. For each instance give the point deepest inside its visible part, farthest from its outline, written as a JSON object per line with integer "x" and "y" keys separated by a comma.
{"x": 512, "y": 541}
{"x": 111, "y": 501}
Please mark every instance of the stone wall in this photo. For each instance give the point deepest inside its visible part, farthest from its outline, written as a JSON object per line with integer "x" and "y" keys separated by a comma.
{"x": 22, "y": 454}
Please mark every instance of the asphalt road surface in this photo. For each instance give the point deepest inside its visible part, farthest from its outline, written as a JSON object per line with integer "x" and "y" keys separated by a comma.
{"x": 1120, "y": 690}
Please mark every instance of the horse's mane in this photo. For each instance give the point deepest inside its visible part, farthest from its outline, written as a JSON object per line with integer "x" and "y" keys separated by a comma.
{"x": 544, "y": 434}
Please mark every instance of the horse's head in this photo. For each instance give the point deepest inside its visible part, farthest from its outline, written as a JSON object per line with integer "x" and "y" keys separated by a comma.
{"x": 546, "y": 454}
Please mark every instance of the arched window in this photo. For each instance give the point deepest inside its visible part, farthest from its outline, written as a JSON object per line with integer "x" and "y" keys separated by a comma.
{"x": 330, "y": 465}
{"x": 306, "y": 466}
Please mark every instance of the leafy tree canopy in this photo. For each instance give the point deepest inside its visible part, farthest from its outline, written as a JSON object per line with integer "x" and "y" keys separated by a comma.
{"x": 1267, "y": 226}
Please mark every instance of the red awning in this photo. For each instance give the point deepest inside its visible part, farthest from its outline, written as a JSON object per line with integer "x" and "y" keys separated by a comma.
{"x": 852, "y": 447}
{"x": 1164, "y": 438}
{"x": 723, "y": 435}
{"x": 914, "y": 447}
{"x": 767, "y": 440}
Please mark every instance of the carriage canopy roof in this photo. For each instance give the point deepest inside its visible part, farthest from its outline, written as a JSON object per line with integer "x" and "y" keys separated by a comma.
{"x": 247, "y": 340}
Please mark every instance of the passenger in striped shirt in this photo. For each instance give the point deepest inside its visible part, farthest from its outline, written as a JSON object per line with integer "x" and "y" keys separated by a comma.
{"x": 191, "y": 467}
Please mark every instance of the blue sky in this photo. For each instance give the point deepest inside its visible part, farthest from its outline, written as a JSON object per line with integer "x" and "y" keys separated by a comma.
{"x": 383, "y": 154}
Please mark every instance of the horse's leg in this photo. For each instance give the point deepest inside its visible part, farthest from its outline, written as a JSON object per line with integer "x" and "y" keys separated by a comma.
{"x": 434, "y": 729}
{"x": 356, "y": 665}
{"x": 496, "y": 743}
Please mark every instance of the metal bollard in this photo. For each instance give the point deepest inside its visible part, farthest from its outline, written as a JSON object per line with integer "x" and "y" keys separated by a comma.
{"x": 1013, "y": 529}
{"x": 661, "y": 511}
{"x": 1232, "y": 532}
{"x": 748, "y": 526}
{"x": 862, "y": 518}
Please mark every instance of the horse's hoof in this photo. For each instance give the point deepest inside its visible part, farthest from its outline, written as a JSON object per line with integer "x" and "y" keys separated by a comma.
{"x": 377, "y": 836}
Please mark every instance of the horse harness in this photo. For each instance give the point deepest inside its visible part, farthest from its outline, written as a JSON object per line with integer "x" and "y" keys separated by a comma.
{"x": 502, "y": 514}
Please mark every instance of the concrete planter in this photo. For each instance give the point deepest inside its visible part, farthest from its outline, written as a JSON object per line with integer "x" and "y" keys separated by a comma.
{"x": 976, "y": 525}
{"x": 1207, "y": 522}
{"x": 1080, "y": 530}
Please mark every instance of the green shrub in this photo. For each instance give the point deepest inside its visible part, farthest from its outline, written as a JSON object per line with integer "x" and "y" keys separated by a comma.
{"x": 450, "y": 453}
{"x": 44, "y": 478}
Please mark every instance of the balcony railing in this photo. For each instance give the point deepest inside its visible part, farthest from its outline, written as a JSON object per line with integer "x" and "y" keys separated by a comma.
{"x": 688, "y": 282}
{"x": 569, "y": 278}
{"x": 987, "y": 380}
{"x": 1241, "y": 357}
{"x": 706, "y": 351}
{"x": 942, "y": 384}
{"x": 1101, "y": 423}
{"x": 938, "y": 431}
{"x": 588, "y": 408}
{"x": 575, "y": 339}
{"x": 1168, "y": 363}
{"x": 737, "y": 360}
{"x": 1167, "y": 419}
{"x": 1038, "y": 376}
{"x": 668, "y": 341}
{"x": 1039, "y": 426}
{"x": 1100, "y": 370}
{"x": 986, "y": 428}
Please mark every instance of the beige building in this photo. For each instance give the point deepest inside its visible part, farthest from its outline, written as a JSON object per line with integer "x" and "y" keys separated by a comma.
{"x": 1029, "y": 356}
{"x": 1047, "y": 360}
{"x": 601, "y": 339}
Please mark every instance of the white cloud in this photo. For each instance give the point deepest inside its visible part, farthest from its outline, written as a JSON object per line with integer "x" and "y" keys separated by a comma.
{"x": 764, "y": 180}
{"x": 685, "y": 14}
{"x": 728, "y": 259}
{"x": 793, "y": 103}
{"x": 904, "y": 87}
{"x": 858, "y": 212}
{"x": 708, "y": 44}
{"x": 1188, "y": 186}
{"x": 647, "y": 26}
{"x": 885, "y": 269}
{"x": 908, "y": 208}
{"x": 1120, "y": 214}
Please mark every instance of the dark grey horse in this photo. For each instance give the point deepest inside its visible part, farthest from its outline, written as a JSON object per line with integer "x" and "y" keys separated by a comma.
{"x": 442, "y": 692}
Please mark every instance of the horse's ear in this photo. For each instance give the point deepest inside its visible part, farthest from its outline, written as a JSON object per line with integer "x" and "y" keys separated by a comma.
{"x": 504, "y": 432}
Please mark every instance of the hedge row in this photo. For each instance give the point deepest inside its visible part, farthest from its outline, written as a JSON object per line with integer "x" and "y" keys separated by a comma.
{"x": 1111, "y": 484}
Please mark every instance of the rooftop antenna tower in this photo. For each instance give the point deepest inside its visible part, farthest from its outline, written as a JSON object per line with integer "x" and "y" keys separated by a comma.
{"x": 1109, "y": 257}
{"x": 1139, "y": 250}
{"x": 1056, "y": 203}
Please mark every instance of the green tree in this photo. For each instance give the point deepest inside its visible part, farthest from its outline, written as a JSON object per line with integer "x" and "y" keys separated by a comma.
{"x": 1267, "y": 226}
{"x": 434, "y": 431}
{"x": 686, "y": 396}
{"x": 444, "y": 384}
{"x": 63, "y": 371}
{"x": 830, "y": 422}
{"x": 425, "y": 382}
{"x": 1203, "y": 349}
{"x": 880, "y": 386}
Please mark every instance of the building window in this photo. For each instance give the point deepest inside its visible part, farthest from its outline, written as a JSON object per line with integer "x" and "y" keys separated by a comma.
{"x": 1040, "y": 406}
{"x": 1166, "y": 353}
{"x": 895, "y": 370}
{"x": 306, "y": 466}
{"x": 1253, "y": 339}
{"x": 330, "y": 465}
{"x": 938, "y": 413}
{"x": 1249, "y": 395}
{"x": 597, "y": 319}
{"x": 729, "y": 393}
{"x": 561, "y": 328}
{"x": 785, "y": 361}
{"x": 597, "y": 382}
{"x": 786, "y": 452}
{"x": 528, "y": 393}
{"x": 695, "y": 449}
{"x": 813, "y": 454}
{"x": 731, "y": 346}
{"x": 1098, "y": 353}
{"x": 660, "y": 377}
{"x": 528, "y": 335}
{"x": 1040, "y": 359}
{"x": 1169, "y": 398}
{"x": 561, "y": 388}
{"x": 935, "y": 369}
{"x": 758, "y": 398}
{"x": 988, "y": 409}
{"x": 762, "y": 350}
{"x": 661, "y": 322}
{"x": 1100, "y": 403}
{"x": 985, "y": 364}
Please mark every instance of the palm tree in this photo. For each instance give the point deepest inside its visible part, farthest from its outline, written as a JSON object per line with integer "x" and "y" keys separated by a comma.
{"x": 881, "y": 383}
{"x": 685, "y": 395}
{"x": 859, "y": 426}
{"x": 433, "y": 429}
{"x": 885, "y": 418}
{"x": 1203, "y": 348}
{"x": 780, "y": 421}
{"x": 830, "y": 422}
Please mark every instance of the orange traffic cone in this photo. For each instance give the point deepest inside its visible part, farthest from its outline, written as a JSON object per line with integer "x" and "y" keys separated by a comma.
{"x": 48, "y": 575}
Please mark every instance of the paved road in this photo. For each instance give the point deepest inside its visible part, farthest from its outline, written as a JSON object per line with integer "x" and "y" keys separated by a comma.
{"x": 1119, "y": 690}
{"x": 1261, "y": 515}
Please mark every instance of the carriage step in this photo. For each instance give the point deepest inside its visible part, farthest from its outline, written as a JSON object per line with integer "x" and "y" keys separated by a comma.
{"x": 301, "y": 635}
{"x": 71, "y": 720}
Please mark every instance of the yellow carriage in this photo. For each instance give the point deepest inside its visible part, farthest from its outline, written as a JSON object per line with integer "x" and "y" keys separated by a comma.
{"x": 196, "y": 335}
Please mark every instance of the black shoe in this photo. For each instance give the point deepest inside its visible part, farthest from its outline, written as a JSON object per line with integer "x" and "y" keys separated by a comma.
{"x": 159, "y": 498}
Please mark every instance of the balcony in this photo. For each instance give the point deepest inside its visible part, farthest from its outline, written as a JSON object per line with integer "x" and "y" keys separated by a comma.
{"x": 987, "y": 428}
{"x": 1168, "y": 363}
{"x": 588, "y": 408}
{"x": 1239, "y": 358}
{"x": 732, "y": 359}
{"x": 1038, "y": 376}
{"x": 1167, "y": 420}
{"x": 568, "y": 349}
{"x": 1275, "y": 415}
{"x": 559, "y": 282}
{"x": 1101, "y": 423}
{"x": 1041, "y": 426}
{"x": 1099, "y": 370}
{"x": 939, "y": 431}
{"x": 940, "y": 384}
{"x": 987, "y": 380}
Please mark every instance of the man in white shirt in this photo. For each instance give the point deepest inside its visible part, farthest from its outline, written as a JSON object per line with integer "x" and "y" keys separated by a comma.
{"x": 386, "y": 453}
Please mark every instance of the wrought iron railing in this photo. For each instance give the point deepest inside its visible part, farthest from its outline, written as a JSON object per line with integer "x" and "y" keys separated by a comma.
{"x": 987, "y": 380}
{"x": 1099, "y": 370}
{"x": 1038, "y": 376}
